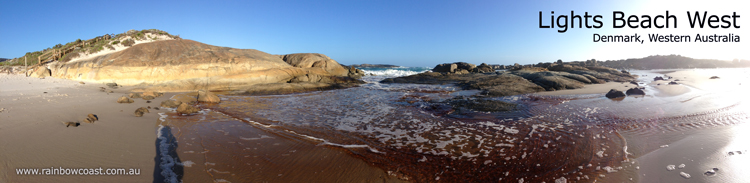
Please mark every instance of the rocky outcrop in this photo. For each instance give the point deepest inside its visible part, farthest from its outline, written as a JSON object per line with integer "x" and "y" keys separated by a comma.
{"x": 208, "y": 97}
{"x": 186, "y": 65}
{"x": 518, "y": 80}
{"x": 614, "y": 93}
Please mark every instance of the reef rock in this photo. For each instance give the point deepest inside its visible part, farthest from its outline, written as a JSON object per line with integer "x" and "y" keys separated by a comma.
{"x": 208, "y": 97}
{"x": 124, "y": 99}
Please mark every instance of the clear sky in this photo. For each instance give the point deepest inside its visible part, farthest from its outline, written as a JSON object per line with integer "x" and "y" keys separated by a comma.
{"x": 400, "y": 32}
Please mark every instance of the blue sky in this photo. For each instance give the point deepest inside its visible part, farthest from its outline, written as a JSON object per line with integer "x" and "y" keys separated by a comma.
{"x": 408, "y": 33}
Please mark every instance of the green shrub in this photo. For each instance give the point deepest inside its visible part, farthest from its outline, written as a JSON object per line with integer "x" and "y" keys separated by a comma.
{"x": 128, "y": 42}
{"x": 115, "y": 42}
{"x": 110, "y": 47}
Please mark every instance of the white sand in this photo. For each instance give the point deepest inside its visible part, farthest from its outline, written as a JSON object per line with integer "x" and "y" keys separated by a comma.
{"x": 32, "y": 135}
{"x": 120, "y": 47}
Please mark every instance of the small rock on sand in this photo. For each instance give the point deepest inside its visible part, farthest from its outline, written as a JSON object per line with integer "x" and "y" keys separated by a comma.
{"x": 186, "y": 109}
{"x": 112, "y": 85}
{"x": 714, "y": 77}
{"x": 82, "y": 82}
{"x": 124, "y": 99}
{"x": 139, "y": 112}
{"x": 208, "y": 96}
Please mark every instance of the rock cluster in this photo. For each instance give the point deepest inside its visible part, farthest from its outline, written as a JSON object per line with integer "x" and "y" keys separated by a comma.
{"x": 519, "y": 80}
{"x": 170, "y": 103}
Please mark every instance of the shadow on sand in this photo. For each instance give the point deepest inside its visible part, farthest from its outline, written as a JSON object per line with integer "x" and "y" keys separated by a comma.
{"x": 167, "y": 164}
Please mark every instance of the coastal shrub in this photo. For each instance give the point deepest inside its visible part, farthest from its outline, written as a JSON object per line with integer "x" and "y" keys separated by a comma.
{"x": 116, "y": 42}
{"x": 110, "y": 47}
{"x": 128, "y": 42}
{"x": 69, "y": 56}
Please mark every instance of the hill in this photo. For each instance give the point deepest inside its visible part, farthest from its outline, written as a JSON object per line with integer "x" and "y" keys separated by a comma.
{"x": 672, "y": 62}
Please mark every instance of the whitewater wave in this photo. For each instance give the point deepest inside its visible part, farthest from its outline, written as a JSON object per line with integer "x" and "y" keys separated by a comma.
{"x": 378, "y": 74}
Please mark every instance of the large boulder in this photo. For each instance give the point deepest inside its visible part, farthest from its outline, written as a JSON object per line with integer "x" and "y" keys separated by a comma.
{"x": 465, "y": 66}
{"x": 208, "y": 97}
{"x": 445, "y": 68}
{"x": 315, "y": 60}
{"x": 614, "y": 93}
{"x": 184, "y": 108}
{"x": 41, "y": 72}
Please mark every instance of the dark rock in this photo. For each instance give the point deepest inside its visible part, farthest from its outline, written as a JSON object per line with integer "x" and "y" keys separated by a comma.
{"x": 465, "y": 66}
{"x": 68, "y": 124}
{"x": 186, "y": 109}
{"x": 102, "y": 89}
{"x": 91, "y": 118}
{"x": 445, "y": 68}
{"x": 673, "y": 83}
{"x": 625, "y": 72}
{"x": 635, "y": 91}
{"x": 81, "y": 82}
{"x": 633, "y": 82}
{"x": 483, "y": 68}
{"x": 148, "y": 101}
{"x": 112, "y": 85}
{"x": 156, "y": 108}
{"x": 483, "y": 105}
{"x": 148, "y": 97}
{"x": 714, "y": 77}
{"x": 139, "y": 112}
{"x": 657, "y": 78}
{"x": 124, "y": 99}
{"x": 614, "y": 93}
{"x": 170, "y": 103}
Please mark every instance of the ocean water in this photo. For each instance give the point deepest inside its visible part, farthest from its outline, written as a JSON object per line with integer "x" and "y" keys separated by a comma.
{"x": 403, "y": 133}
{"x": 378, "y": 74}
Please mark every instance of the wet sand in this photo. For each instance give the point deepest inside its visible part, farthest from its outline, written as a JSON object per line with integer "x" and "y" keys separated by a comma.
{"x": 699, "y": 122}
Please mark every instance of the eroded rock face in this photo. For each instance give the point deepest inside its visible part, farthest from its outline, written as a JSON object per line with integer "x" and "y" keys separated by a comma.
{"x": 208, "y": 97}
{"x": 186, "y": 65}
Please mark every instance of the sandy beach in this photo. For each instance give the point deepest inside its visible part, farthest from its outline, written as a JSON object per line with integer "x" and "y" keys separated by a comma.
{"x": 223, "y": 143}
{"x": 33, "y": 136}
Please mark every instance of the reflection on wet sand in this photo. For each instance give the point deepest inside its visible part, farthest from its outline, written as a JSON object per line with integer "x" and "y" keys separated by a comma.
{"x": 406, "y": 135}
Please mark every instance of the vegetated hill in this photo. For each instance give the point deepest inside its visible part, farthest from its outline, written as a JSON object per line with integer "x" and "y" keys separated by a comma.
{"x": 673, "y": 62}
{"x": 79, "y": 48}
{"x": 3, "y": 59}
